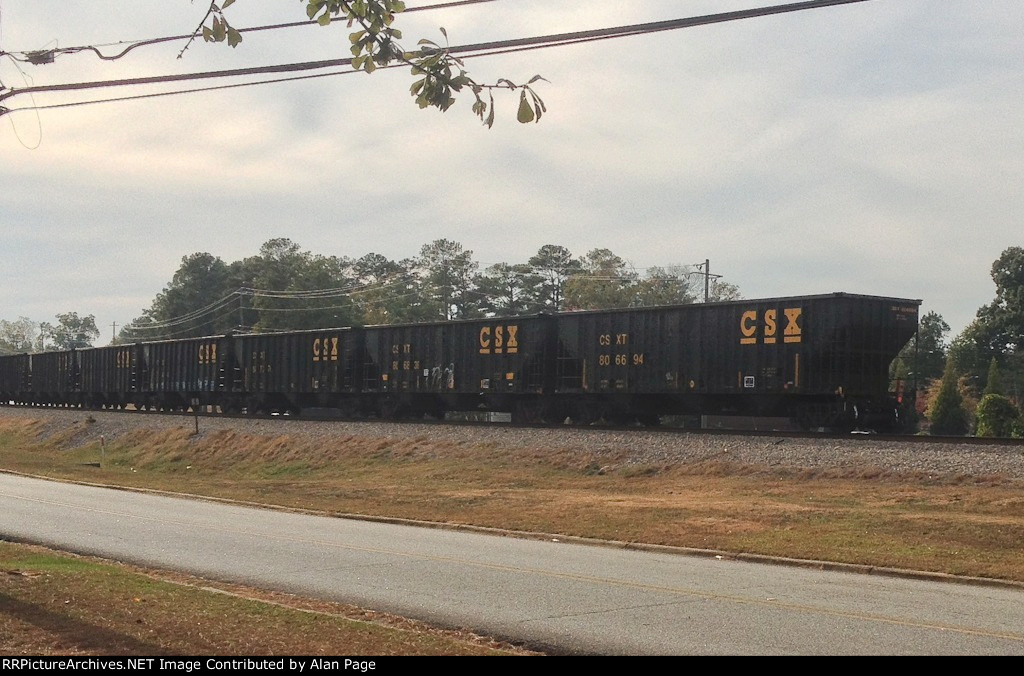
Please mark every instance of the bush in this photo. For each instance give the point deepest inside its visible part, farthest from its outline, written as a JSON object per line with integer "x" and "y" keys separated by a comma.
{"x": 996, "y": 416}
{"x": 1018, "y": 427}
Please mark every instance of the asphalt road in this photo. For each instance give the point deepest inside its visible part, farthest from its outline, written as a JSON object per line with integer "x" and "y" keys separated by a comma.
{"x": 563, "y": 597}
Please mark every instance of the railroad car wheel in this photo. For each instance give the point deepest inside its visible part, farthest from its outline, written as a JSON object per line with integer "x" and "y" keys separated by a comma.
{"x": 649, "y": 419}
{"x": 528, "y": 412}
{"x": 391, "y": 409}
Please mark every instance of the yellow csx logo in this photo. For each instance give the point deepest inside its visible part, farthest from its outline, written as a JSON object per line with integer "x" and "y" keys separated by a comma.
{"x": 498, "y": 339}
{"x": 769, "y": 325}
{"x": 325, "y": 349}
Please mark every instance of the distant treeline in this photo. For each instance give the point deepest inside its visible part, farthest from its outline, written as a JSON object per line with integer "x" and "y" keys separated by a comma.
{"x": 285, "y": 288}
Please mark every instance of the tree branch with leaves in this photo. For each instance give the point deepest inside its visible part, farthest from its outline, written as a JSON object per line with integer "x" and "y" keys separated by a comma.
{"x": 374, "y": 44}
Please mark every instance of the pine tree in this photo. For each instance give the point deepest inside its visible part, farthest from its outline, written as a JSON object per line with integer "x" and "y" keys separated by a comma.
{"x": 947, "y": 413}
{"x": 994, "y": 382}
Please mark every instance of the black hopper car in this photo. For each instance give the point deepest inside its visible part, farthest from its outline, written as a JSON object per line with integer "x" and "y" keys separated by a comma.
{"x": 821, "y": 361}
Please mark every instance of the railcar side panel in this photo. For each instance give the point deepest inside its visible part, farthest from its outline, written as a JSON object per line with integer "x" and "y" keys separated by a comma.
{"x": 298, "y": 369}
{"x": 107, "y": 375}
{"x": 54, "y": 377}
{"x": 501, "y": 357}
{"x": 180, "y": 371}
{"x": 15, "y": 378}
{"x": 411, "y": 358}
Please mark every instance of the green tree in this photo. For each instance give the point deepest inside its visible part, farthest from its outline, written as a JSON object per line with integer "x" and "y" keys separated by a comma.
{"x": 448, "y": 272}
{"x": 605, "y": 282}
{"x": 925, "y": 355}
{"x": 720, "y": 291}
{"x": 385, "y": 289}
{"x": 21, "y": 335}
{"x": 553, "y": 265}
{"x": 72, "y": 331}
{"x": 998, "y": 329}
{"x": 994, "y": 382}
{"x": 1004, "y": 317}
{"x": 292, "y": 289}
{"x": 946, "y": 412}
{"x": 505, "y": 289}
{"x": 969, "y": 349}
{"x": 664, "y": 286}
{"x": 375, "y": 43}
{"x": 996, "y": 416}
{"x": 280, "y": 288}
{"x": 194, "y": 303}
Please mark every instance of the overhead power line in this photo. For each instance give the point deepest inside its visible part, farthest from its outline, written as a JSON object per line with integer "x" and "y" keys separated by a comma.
{"x": 44, "y": 56}
{"x": 465, "y": 51}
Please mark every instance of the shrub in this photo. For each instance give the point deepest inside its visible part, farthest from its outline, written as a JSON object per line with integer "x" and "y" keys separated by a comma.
{"x": 996, "y": 416}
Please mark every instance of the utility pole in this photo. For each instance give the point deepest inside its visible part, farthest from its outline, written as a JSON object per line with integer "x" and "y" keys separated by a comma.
{"x": 706, "y": 268}
{"x": 707, "y": 278}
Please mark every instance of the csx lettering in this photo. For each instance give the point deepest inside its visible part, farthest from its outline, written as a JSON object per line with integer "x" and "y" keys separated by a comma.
{"x": 499, "y": 339}
{"x": 748, "y": 327}
{"x": 606, "y": 339}
{"x": 208, "y": 353}
{"x": 325, "y": 349}
{"x": 792, "y": 334}
{"x": 769, "y": 326}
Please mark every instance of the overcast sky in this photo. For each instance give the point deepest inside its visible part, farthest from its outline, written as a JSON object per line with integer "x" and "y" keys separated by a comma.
{"x": 874, "y": 148}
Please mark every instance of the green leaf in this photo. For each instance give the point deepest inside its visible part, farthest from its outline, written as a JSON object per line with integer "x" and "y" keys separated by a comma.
{"x": 227, "y": 3}
{"x": 234, "y": 37}
{"x": 525, "y": 109}
{"x": 324, "y": 20}
{"x": 538, "y": 103}
{"x": 207, "y": 34}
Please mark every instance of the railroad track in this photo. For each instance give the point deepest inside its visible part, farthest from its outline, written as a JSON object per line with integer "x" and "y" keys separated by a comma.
{"x": 600, "y": 427}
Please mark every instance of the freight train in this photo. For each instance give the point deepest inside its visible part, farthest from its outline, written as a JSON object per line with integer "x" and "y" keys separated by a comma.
{"x": 821, "y": 361}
